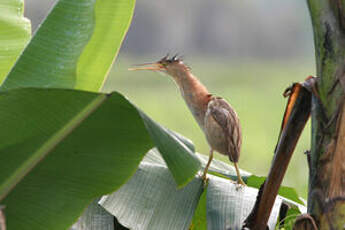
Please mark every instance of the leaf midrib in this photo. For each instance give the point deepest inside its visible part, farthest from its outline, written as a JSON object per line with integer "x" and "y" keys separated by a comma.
{"x": 49, "y": 145}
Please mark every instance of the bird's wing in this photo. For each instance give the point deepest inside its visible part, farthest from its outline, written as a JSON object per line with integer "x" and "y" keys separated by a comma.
{"x": 227, "y": 118}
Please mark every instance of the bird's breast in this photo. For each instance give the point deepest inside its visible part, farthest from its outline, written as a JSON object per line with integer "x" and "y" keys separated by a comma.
{"x": 215, "y": 135}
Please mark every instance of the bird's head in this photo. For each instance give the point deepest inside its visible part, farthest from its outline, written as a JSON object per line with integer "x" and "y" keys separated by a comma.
{"x": 173, "y": 66}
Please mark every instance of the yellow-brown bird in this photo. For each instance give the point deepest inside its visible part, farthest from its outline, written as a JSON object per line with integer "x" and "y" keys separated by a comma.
{"x": 217, "y": 119}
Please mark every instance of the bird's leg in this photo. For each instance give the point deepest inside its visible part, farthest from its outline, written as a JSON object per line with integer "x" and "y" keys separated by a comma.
{"x": 207, "y": 165}
{"x": 239, "y": 178}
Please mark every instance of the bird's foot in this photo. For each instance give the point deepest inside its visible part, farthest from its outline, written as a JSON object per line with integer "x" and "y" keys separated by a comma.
{"x": 204, "y": 178}
{"x": 204, "y": 174}
{"x": 240, "y": 184}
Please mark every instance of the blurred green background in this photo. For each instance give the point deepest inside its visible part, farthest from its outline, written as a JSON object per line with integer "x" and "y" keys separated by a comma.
{"x": 245, "y": 51}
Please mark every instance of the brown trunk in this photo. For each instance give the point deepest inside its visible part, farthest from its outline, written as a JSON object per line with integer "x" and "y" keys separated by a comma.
{"x": 326, "y": 198}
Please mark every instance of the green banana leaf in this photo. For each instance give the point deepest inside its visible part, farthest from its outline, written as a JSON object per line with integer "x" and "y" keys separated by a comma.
{"x": 95, "y": 218}
{"x": 229, "y": 205}
{"x": 15, "y": 32}
{"x": 173, "y": 147}
{"x": 221, "y": 169}
{"x": 63, "y": 148}
{"x": 74, "y": 47}
{"x": 150, "y": 200}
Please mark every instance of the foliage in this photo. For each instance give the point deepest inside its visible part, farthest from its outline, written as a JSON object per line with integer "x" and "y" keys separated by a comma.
{"x": 63, "y": 147}
{"x": 74, "y": 47}
{"x": 15, "y": 32}
{"x": 222, "y": 205}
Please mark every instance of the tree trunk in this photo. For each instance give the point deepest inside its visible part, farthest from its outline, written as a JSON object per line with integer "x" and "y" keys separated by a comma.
{"x": 326, "y": 198}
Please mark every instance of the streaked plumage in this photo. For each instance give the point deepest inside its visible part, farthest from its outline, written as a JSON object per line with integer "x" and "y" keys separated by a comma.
{"x": 215, "y": 116}
{"x": 222, "y": 128}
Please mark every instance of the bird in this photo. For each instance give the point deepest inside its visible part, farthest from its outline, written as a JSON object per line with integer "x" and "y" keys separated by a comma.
{"x": 214, "y": 115}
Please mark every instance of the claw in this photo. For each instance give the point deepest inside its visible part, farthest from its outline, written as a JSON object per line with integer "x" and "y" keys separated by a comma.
{"x": 204, "y": 179}
{"x": 240, "y": 182}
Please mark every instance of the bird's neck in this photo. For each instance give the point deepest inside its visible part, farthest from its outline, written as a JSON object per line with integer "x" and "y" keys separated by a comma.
{"x": 195, "y": 94}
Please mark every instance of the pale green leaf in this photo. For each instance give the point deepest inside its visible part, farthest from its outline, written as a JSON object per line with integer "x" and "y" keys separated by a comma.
{"x": 228, "y": 205}
{"x": 112, "y": 20}
{"x": 151, "y": 200}
{"x": 75, "y": 45}
{"x": 95, "y": 218}
{"x": 15, "y": 32}
{"x": 182, "y": 162}
{"x": 221, "y": 169}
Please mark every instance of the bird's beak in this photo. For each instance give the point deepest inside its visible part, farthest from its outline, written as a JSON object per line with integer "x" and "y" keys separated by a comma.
{"x": 149, "y": 66}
